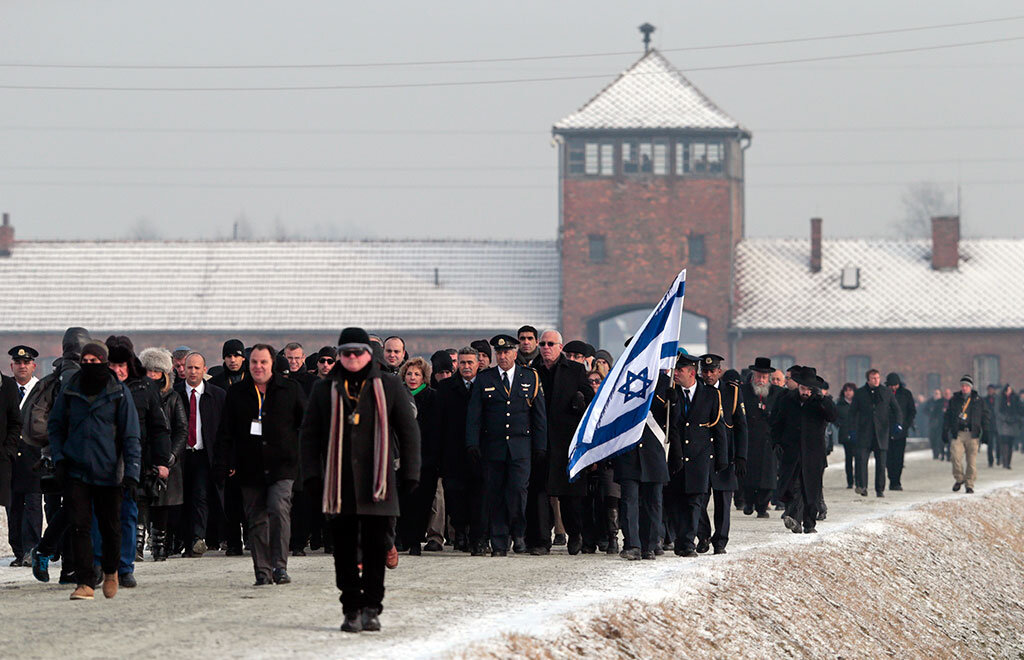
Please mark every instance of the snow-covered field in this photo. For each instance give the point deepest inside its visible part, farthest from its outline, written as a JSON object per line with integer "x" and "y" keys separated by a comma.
{"x": 921, "y": 573}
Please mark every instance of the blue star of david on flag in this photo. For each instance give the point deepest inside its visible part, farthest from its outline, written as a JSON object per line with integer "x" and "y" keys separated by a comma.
{"x": 627, "y": 388}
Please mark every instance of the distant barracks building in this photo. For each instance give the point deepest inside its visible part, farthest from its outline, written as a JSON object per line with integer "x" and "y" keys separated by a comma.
{"x": 651, "y": 179}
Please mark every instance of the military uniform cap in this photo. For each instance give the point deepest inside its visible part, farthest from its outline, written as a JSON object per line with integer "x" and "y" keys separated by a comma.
{"x": 21, "y": 352}
{"x": 684, "y": 359}
{"x": 504, "y": 342}
{"x": 710, "y": 361}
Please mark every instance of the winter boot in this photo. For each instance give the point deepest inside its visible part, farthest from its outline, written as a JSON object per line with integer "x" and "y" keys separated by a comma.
{"x": 159, "y": 539}
{"x": 613, "y": 530}
{"x": 140, "y": 542}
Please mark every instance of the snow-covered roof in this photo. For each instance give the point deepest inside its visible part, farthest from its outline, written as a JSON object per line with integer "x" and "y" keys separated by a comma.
{"x": 898, "y": 289}
{"x": 651, "y": 94}
{"x": 201, "y": 286}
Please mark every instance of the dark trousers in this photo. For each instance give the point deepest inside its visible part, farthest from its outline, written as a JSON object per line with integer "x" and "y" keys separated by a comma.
{"x": 300, "y": 517}
{"x": 416, "y": 506}
{"x": 464, "y": 502}
{"x": 505, "y": 486}
{"x": 54, "y": 538}
{"x": 688, "y": 507}
{"x": 1005, "y": 449}
{"x": 850, "y": 452}
{"x": 539, "y": 516}
{"x": 82, "y": 500}
{"x": 723, "y": 502}
{"x": 354, "y": 536}
{"x": 574, "y": 514}
{"x": 894, "y": 460}
{"x": 196, "y": 509}
{"x": 802, "y": 505}
{"x": 758, "y": 498}
{"x": 861, "y": 467}
{"x": 669, "y": 514}
{"x": 24, "y": 522}
{"x": 641, "y": 514}
{"x": 990, "y": 439}
{"x": 129, "y": 529}
{"x": 268, "y": 512}
{"x": 318, "y": 534}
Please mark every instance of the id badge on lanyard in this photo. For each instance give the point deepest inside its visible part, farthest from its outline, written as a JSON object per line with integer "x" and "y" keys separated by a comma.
{"x": 256, "y": 428}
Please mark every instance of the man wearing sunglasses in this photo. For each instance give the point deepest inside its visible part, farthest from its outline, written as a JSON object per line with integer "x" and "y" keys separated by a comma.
{"x": 325, "y": 361}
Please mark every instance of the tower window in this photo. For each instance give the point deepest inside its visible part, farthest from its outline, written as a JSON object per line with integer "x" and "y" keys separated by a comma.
{"x": 696, "y": 248}
{"x": 577, "y": 152}
{"x": 597, "y": 248}
{"x": 598, "y": 159}
{"x": 986, "y": 370}
{"x": 700, "y": 158}
{"x": 660, "y": 158}
{"x": 637, "y": 157}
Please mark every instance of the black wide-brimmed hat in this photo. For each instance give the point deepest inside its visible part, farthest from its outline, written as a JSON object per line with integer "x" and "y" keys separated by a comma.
{"x": 808, "y": 377}
{"x": 762, "y": 365}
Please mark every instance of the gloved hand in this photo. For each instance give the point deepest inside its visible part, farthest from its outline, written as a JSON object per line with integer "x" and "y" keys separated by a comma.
{"x": 579, "y": 403}
{"x": 129, "y": 487}
{"x": 409, "y": 485}
{"x": 741, "y": 467}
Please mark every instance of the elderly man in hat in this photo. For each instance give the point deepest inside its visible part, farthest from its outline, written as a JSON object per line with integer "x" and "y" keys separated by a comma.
{"x": 360, "y": 436}
{"x": 798, "y": 426}
{"x": 966, "y": 419}
{"x": 760, "y": 397}
{"x": 25, "y": 512}
{"x": 506, "y": 431}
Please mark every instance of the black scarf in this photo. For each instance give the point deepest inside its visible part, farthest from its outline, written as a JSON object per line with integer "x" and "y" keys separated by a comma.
{"x": 95, "y": 376}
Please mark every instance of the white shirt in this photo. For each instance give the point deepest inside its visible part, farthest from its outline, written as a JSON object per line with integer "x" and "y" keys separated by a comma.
{"x": 28, "y": 389}
{"x": 199, "y": 417}
{"x": 690, "y": 390}
{"x": 511, "y": 375}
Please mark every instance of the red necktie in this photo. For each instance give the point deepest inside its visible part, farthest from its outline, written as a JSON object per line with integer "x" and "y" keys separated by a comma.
{"x": 192, "y": 420}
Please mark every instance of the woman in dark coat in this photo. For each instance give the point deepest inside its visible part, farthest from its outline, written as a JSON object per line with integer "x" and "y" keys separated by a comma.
{"x": 844, "y": 423}
{"x": 158, "y": 364}
{"x": 416, "y": 505}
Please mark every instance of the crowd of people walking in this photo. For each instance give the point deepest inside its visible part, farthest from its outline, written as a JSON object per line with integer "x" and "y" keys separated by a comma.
{"x": 365, "y": 452}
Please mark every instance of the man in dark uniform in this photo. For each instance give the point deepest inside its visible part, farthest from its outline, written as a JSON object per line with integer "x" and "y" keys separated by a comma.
{"x": 724, "y": 483}
{"x": 506, "y": 428}
{"x": 760, "y": 397}
{"x": 642, "y": 473}
{"x": 698, "y": 450}
{"x": 25, "y": 513}
{"x": 898, "y": 439}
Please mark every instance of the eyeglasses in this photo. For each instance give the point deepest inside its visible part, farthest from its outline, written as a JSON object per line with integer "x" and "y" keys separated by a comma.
{"x": 594, "y": 381}
{"x": 547, "y": 343}
{"x": 325, "y": 360}
{"x": 352, "y": 352}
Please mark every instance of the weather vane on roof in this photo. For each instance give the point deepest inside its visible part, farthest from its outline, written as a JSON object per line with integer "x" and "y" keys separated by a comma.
{"x": 647, "y": 29}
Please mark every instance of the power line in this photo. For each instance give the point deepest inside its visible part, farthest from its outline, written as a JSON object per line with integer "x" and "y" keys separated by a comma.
{"x": 505, "y": 81}
{"x": 494, "y": 60}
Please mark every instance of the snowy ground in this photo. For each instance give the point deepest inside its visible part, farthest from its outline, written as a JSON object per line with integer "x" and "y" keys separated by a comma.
{"x": 454, "y": 604}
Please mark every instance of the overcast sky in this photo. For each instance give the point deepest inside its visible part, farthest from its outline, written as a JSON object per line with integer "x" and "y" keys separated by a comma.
{"x": 840, "y": 139}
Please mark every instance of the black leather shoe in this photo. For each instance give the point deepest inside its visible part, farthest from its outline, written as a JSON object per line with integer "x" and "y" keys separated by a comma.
{"x": 649, "y": 555}
{"x": 748, "y": 510}
{"x": 575, "y": 544}
{"x": 658, "y": 550}
{"x": 631, "y": 554}
{"x": 686, "y": 553}
{"x": 703, "y": 545}
{"x": 668, "y": 546}
{"x": 127, "y": 580}
{"x": 791, "y": 523}
{"x": 432, "y": 546}
{"x": 560, "y": 539}
{"x": 540, "y": 551}
{"x": 896, "y": 487}
{"x": 821, "y": 515}
{"x": 810, "y": 530}
{"x": 499, "y": 553}
{"x": 719, "y": 551}
{"x": 879, "y": 493}
{"x": 281, "y": 576}
{"x": 17, "y": 563}
{"x": 370, "y": 621}
{"x": 763, "y": 514}
{"x": 353, "y": 622}
{"x": 957, "y": 486}
{"x": 233, "y": 552}
{"x": 261, "y": 581}
{"x": 588, "y": 549}
{"x": 298, "y": 553}
{"x": 478, "y": 551}
{"x": 415, "y": 550}
{"x": 519, "y": 545}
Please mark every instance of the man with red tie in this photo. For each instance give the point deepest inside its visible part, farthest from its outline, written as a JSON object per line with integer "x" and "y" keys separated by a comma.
{"x": 203, "y": 402}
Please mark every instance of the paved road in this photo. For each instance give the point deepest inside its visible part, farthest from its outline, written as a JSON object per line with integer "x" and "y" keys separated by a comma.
{"x": 435, "y": 603}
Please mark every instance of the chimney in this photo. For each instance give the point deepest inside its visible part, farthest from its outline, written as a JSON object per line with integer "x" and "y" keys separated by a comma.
{"x": 815, "y": 245}
{"x": 946, "y": 242}
{"x": 6, "y": 237}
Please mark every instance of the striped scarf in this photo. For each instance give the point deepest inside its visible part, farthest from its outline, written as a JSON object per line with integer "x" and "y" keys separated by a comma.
{"x": 381, "y": 459}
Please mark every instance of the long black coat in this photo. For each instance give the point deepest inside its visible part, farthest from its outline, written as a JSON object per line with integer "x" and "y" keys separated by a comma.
{"x": 154, "y": 428}
{"x": 10, "y": 428}
{"x": 452, "y": 400}
{"x": 845, "y": 423}
{"x": 875, "y": 415}
{"x": 178, "y": 418}
{"x": 427, "y": 419}
{"x": 762, "y": 466}
{"x": 647, "y": 462}
{"x": 404, "y": 445}
{"x": 565, "y": 404}
{"x": 734, "y": 416}
{"x": 211, "y": 408}
{"x": 798, "y": 427}
{"x": 261, "y": 460}
{"x": 700, "y": 448}
{"x": 908, "y": 411}
{"x": 25, "y": 478}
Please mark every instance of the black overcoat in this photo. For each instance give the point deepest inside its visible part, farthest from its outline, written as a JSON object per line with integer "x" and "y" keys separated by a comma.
{"x": 564, "y": 411}
{"x": 798, "y": 427}
{"x": 875, "y": 415}
{"x": 734, "y": 416}
{"x": 10, "y": 428}
{"x": 762, "y": 466}
{"x": 700, "y": 448}
{"x": 154, "y": 428}
{"x": 404, "y": 447}
{"x": 452, "y": 400}
{"x": 211, "y": 408}
{"x": 647, "y": 462}
{"x": 174, "y": 409}
{"x": 427, "y": 419}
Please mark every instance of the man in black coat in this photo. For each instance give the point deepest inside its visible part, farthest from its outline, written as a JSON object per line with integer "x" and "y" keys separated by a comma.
{"x": 726, "y": 482}
{"x": 642, "y": 473}
{"x": 898, "y": 438}
{"x": 258, "y": 444}
{"x": 463, "y": 484}
{"x": 344, "y": 444}
{"x": 10, "y": 435}
{"x": 506, "y": 429}
{"x": 798, "y": 427}
{"x": 699, "y": 450}
{"x": 567, "y": 393}
{"x": 875, "y": 414}
{"x": 760, "y": 397}
{"x": 204, "y": 403}
{"x": 25, "y": 513}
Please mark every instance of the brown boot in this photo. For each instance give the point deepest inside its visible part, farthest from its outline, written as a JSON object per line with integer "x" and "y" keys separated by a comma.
{"x": 110, "y": 584}
{"x": 82, "y": 592}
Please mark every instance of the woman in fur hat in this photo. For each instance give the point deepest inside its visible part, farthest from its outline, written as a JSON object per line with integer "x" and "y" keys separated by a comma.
{"x": 159, "y": 368}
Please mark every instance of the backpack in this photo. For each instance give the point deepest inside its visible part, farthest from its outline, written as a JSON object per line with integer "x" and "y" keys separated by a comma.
{"x": 36, "y": 412}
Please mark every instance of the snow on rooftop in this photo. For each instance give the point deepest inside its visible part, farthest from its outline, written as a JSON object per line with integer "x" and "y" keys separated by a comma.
{"x": 651, "y": 94}
{"x": 897, "y": 288}
{"x": 200, "y": 286}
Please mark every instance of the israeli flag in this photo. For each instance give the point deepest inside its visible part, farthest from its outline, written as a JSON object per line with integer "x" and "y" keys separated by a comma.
{"x": 615, "y": 419}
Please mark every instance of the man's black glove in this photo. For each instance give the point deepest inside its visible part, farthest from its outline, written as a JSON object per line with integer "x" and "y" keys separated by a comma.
{"x": 741, "y": 467}
{"x": 473, "y": 452}
{"x": 129, "y": 487}
{"x": 409, "y": 486}
{"x": 579, "y": 403}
